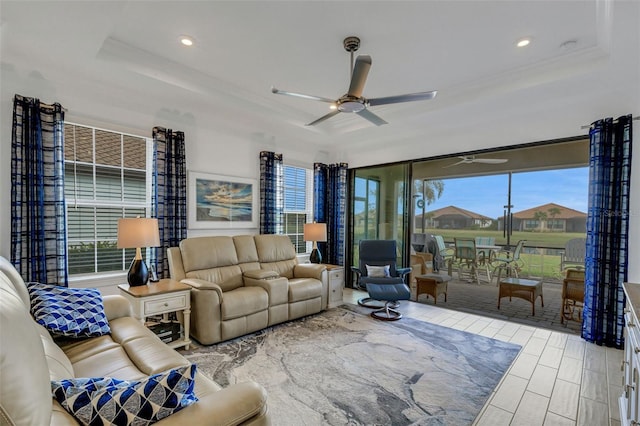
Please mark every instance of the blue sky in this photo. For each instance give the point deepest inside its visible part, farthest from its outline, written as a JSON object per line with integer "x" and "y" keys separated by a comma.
{"x": 487, "y": 195}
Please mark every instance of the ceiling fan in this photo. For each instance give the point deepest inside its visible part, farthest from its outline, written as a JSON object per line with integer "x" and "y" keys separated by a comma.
{"x": 353, "y": 101}
{"x": 468, "y": 159}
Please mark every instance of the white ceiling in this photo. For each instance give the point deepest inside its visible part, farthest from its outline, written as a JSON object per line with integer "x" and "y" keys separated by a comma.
{"x": 490, "y": 93}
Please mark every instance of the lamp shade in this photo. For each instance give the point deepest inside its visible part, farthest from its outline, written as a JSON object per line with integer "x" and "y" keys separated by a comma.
{"x": 138, "y": 232}
{"x": 315, "y": 232}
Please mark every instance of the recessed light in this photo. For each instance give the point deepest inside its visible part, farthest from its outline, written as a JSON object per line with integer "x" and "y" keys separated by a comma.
{"x": 186, "y": 40}
{"x": 523, "y": 42}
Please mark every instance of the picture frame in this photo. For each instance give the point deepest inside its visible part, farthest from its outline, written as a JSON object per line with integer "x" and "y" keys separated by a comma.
{"x": 218, "y": 201}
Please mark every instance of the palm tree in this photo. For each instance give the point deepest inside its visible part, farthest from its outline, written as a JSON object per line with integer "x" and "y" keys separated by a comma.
{"x": 540, "y": 216}
{"x": 430, "y": 190}
{"x": 553, "y": 212}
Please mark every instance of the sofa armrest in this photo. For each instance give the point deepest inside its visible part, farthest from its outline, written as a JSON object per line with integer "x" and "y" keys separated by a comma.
{"x": 206, "y": 315}
{"x": 309, "y": 270}
{"x": 233, "y": 405}
{"x": 203, "y": 285}
{"x": 116, "y": 306}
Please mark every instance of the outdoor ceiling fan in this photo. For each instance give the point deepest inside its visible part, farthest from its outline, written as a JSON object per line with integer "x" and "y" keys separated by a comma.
{"x": 353, "y": 101}
{"x": 468, "y": 159}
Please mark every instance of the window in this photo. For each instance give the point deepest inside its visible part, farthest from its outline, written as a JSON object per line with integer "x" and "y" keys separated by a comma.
{"x": 365, "y": 207}
{"x": 298, "y": 197}
{"x": 107, "y": 176}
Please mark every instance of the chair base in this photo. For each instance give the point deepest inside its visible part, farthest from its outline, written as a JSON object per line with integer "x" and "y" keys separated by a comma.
{"x": 387, "y": 313}
{"x": 368, "y": 302}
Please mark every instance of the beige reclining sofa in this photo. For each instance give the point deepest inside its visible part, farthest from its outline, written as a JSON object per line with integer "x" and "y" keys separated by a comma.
{"x": 245, "y": 283}
{"x": 30, "y": 359}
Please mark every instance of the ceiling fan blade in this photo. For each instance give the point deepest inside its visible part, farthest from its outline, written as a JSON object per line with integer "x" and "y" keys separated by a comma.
{"x": 359, "y": 75}
{"x": 490, "y": 160}
{"x": 324, "y": 117}
{"x": 368, "y": 115}
{"x": 455, "y": 164}
{"x": 302, "y": 95}
{"x": 421, "y": 96}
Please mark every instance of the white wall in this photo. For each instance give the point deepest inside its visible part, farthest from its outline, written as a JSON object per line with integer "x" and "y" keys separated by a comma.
{"x": 211, "y": 145}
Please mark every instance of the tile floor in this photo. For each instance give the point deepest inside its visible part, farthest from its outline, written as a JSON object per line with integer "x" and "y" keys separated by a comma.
{"x": 557, "y": 379}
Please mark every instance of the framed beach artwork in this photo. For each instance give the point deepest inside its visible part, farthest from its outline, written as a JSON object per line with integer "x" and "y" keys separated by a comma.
{"x": 217, "y": 201}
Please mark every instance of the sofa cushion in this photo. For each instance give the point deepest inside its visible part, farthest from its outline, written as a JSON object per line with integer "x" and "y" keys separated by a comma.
{"x": 74, "y": 312}
{"x": 58, "y": 363}
{"x": 244, "y": 301}
{"x": 304, "y": 289}
{"x": 15, "y": 280}
{"x": 274, "y": 248}
{"x": 106, "y": 400}
{"x": 245, "y": 248}
{"x": 226, "y": 277}
{"x": 207, "y": 252}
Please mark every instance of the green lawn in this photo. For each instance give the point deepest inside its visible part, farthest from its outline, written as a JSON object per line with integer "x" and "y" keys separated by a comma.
{"x": 539, "y": 263}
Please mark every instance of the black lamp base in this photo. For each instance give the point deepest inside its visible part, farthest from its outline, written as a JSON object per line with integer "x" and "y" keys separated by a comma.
{"x": 315, "y": 256}
{"x": 138, "y": 273}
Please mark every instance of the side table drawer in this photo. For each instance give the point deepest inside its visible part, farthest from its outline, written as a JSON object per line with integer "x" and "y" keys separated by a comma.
{"x": 168, "y": 304}
{"x": 335, "y": 292}
{"x": 336, "y": 284}
{"x": 336, "y": 275}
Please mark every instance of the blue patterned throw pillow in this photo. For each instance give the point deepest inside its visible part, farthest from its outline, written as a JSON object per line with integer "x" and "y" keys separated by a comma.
{"x": 107, "y": 401}
{"x": 72, "y": 312}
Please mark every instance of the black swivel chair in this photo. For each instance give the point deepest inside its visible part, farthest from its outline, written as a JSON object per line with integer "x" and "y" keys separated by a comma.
{"x": 378, "y": 275}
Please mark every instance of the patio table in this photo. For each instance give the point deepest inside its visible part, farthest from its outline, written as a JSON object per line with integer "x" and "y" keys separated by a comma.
{"x": 528, "y": 290}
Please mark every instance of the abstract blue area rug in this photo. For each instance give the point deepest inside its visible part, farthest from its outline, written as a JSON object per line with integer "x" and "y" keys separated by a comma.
{"x": 342, "y": 367}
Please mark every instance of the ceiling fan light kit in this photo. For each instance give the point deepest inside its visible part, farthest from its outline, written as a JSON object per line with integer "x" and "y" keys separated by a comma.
{"x": 353, "y": 101}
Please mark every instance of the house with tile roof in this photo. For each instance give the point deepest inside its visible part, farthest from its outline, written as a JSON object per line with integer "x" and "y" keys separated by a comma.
{"x": 452, "y": 217}
{"x": 550, "y": 217}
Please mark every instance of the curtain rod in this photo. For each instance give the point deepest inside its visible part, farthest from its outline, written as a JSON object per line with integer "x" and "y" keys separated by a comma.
{"x": 632, "y": 118}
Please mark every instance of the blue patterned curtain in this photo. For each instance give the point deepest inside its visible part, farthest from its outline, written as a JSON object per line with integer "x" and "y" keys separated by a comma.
{"x": 169, "y": 192}
{"x": 271, "y": 193}
{"x": 330, "y": 207}
{"x": 38, "y": 225}
{"x": 607, "y": 231}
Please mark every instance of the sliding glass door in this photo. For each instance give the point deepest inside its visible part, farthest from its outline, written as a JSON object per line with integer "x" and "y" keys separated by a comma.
{"x": 537, "y": 194}
{"x": 379, "y": 207}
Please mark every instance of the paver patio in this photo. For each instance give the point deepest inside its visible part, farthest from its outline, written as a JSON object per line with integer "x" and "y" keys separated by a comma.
{"x": 483, "y": 299}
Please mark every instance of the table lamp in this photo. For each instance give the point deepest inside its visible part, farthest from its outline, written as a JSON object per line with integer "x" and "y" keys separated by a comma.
{"x": 136, "y": 233}
{"x": 315, "y": 232}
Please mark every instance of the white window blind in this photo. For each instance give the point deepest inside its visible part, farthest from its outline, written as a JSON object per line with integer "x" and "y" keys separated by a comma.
{"x": 106, "y": 178}
{"x": 298, "y": 205}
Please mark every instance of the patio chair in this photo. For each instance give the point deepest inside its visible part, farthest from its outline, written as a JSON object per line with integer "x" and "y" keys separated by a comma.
{"x": 486, "y": 255}
{"x": 444, "y": 254}
{"x": 572, "y": 295}
{"x": 378, "y": 266}
{"x": 466, "y": 259}
{"x": 574, "y": 253}
{"x": 508, "y": 262}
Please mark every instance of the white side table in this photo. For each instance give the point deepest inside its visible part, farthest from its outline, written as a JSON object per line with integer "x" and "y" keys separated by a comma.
{"x": 336, "y": 285}
{"x": 162, "y": 297}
